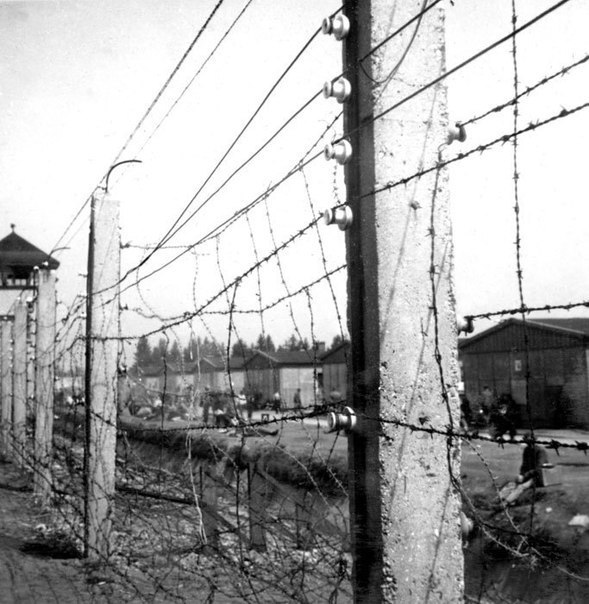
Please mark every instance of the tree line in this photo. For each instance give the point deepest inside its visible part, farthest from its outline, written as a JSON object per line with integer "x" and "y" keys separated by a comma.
{"x": 165, "y": 352}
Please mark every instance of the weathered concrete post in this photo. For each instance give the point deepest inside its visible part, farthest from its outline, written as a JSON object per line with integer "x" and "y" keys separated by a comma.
{"x": 404, "y": 506}
{"x": 19, "y": 382}
{"x": 6, "y": 383}
{"x": 31, "y": 360}
{"x": 44, "y": 382}
{"x": 210, "y": 499}
{"x": 103, "y": 329}
{"x": 257, "y": 503}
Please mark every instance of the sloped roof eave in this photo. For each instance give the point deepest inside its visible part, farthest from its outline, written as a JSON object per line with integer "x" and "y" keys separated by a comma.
{"x": 286, "y": 358}
{"x": 17, "y": 251}
{"x": 335, "y": 351}
{"x": 465, "y": 343}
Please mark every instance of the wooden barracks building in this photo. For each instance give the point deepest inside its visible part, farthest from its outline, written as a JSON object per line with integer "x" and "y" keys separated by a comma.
{"x": 558, "y": 358}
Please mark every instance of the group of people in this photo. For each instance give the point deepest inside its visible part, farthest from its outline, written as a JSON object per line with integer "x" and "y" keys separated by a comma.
{"x": 499, "y": 414}
{"x": 225, "y": 409}
{"x": 220, "y": 408}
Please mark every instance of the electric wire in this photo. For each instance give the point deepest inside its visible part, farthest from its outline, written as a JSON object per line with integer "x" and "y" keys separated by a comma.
{"x": 398, "y": 31}
{"x": 193, "y": 78}
{"x": 458, "y": 67}
{"x": 173, "y": 230}
{"x": 271, "y": 138}
{"x": 143, "y": 118}
{"x": 299, "y": 165}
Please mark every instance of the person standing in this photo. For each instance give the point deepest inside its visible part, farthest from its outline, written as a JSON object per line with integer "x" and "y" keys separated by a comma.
{"x": 241, "y": 403}
{"x": 297, "y": 400}
{"x": 465, "y": 413}
{"x": 206, "y": 402}
{"x": 502, "y": 417}
{"x": 250, "y": 406}
{"x": 276, "y": 402}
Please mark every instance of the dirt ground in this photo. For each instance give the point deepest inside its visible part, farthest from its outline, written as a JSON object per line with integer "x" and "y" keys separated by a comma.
{"x": 150, "y": 561}
{"x": 34, "y": 576}
{"x": 500, "y": 566}
{"x": 28, "y": 575}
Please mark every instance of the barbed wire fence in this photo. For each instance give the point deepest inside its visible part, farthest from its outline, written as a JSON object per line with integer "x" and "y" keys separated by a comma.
{"x": 226, "y": 482}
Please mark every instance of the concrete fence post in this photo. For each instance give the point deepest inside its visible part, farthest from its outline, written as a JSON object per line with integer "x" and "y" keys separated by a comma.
{"x": 404, "y": 504}
{"x": 19, "y": 382}
{"x": 257, "y": 503}
{"x": 31, "y": 359}
{"x": 210, "y": 499}
{"x": 6, "y": 324}
{"x": 102, "y": 350}
{"x": 304, "y": 525}
{"x": 44, "y": 382}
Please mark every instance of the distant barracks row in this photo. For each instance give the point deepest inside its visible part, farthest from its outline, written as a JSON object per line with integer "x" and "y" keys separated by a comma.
{"x": 315, "y": 372}
{"x": 543, "y": 363}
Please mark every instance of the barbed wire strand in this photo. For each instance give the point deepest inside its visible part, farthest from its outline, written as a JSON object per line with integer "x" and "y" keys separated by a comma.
{"x": 143, "y": 118}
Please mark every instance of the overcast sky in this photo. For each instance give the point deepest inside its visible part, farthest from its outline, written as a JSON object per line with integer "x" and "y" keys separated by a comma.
{"x": 76, "y": 76}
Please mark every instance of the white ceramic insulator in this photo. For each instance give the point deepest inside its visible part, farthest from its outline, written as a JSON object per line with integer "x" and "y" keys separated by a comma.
{"x": 345, "y": 421}
{"x": 341, "y": 152}
{"x": 331, "y": 422}
{"x": 456, "y": 133}
{"x": 338, "y": 26}
{"x": 342, "y": 216}
{"x": 465, "y": 325}
{"x": 340, "y": 90}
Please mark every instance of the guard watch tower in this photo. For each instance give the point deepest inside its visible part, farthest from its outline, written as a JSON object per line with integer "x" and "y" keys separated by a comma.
{"x": 18, "y": 261}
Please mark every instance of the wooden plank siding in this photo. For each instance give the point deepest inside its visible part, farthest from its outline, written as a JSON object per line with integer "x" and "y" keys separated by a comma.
{"x": 557, "y": 385}
{"x": 283, "y": 372}
{"x": 335, "y": 371}
{"x": 264, "y": 380}
{"x": 335, "y": 379}
{"x": 509, "y": 335}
